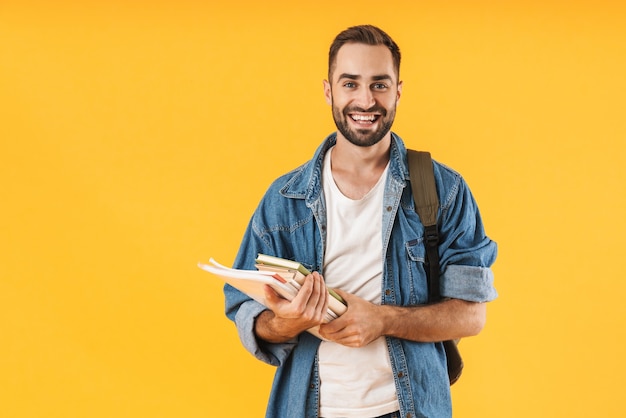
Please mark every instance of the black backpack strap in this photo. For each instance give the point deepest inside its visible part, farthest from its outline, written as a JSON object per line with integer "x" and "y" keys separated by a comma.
{"x": 426, "y": 206}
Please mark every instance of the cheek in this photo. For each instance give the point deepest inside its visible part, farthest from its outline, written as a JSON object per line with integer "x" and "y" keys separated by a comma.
{"x": 391, "y": 103}
{"x": 338, "y": 104}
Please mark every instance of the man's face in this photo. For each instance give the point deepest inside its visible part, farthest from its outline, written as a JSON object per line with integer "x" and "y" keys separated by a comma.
{"x": 363, "y": 92}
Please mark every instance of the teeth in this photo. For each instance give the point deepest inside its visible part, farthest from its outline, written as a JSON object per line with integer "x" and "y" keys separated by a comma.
{"x": 363, "y": 117}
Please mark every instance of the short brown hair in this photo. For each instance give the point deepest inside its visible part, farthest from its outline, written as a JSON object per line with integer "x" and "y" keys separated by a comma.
{"x": 363, "y": 34}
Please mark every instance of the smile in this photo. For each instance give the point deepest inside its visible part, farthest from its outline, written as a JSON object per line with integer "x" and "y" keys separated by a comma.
{"x": 364, "y": 118}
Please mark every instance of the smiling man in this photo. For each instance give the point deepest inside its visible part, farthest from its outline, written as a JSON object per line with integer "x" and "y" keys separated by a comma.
{"x": 364, "y": 92}
{"x": 348, "y": 215}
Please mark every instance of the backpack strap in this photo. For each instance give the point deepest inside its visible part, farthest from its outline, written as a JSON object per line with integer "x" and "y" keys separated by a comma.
{"x": 426, "y": 206}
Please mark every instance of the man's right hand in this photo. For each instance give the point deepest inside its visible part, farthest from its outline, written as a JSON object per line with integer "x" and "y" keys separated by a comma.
{"x": 286, "y": 319}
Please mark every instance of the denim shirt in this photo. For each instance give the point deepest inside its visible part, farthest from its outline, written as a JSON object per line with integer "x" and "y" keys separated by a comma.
{"x": 290, "y": 222}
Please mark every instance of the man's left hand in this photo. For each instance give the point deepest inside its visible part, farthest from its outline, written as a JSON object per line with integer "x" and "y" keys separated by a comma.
{"x": 358, "y": 326}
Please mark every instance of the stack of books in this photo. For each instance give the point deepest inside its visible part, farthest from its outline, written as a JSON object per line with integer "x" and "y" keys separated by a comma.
{"x": 284, "y": 276}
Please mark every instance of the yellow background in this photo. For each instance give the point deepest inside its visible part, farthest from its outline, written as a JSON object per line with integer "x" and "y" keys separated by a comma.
{"x": 137, "y": 137}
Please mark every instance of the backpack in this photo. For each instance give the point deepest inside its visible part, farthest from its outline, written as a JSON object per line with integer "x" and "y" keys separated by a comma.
{"x": 426, "y": 206}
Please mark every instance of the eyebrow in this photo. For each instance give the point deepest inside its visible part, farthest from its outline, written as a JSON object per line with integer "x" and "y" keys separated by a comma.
{"x": 357, "y": 77}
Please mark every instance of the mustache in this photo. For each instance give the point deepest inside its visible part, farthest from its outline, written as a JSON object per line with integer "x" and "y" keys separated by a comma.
{"x": 373, "y": 109}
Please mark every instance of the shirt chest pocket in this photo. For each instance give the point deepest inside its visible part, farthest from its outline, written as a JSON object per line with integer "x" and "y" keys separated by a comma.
{"x": 416, "y": 271}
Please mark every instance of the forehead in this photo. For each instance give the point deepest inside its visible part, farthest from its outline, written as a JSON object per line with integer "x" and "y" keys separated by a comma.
{"x": 364, "y": 60}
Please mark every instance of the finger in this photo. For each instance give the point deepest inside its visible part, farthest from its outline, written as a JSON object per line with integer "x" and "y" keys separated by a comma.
{"x": 305, "y": 302}
{"x": 346, "y": 336}
{"x": 333, "y": 329}
{"x": 325, "y": 299}
{"x": 322, "y": 301}
{"x": 306, "y": 288}
{"x": 318, "y": 288}
{"x": 316, "y": 301}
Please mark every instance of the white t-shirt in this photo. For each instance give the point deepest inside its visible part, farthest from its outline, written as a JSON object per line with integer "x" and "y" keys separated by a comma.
{"x": 355, "y": 382}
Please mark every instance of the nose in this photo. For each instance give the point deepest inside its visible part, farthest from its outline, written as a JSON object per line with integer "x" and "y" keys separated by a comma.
{"x": 365, "y": 98}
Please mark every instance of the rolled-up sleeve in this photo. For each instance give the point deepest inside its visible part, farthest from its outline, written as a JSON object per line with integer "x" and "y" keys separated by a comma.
{"x": 466, "y": 252}
{"x": 474, "y": 284}
{"x": 245, "y": 317}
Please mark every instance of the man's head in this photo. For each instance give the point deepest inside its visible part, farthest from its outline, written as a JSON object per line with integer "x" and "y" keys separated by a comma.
{"x": 364, "y": 34}
{"x": 363, "y": 87}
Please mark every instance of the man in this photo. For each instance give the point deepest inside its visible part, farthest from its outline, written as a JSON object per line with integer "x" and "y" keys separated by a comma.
{"x": 348, "y": 214}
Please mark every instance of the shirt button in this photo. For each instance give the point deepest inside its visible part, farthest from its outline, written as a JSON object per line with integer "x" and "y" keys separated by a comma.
{"x": 387, "y": 292}
{"x": 401, "y": 375}
{"x": 408, "y": 415}
{"x": 389, "y": 208}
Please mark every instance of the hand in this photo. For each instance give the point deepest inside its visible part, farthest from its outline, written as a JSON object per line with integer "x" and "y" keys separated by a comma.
{"x": 361, "y": 324}
{"x": 290, "y": 318}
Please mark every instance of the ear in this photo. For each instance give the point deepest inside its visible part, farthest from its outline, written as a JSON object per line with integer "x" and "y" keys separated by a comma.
{"x": 328, "y": 92}
{"x": 399, "y": 93}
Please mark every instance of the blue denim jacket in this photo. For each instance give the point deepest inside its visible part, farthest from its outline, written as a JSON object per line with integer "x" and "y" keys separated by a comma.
{"x": 290, "y": 222}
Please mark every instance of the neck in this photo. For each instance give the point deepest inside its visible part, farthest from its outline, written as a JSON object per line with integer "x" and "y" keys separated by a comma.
{"x": 355, "y": 159}
{"x": 357, "y": 169}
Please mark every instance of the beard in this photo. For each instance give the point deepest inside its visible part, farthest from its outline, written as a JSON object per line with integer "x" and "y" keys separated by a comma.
{"x": 363, "y": 137}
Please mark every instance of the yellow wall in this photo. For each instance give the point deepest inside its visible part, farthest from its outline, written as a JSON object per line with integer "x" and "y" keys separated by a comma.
{"x": 135, "y": 140}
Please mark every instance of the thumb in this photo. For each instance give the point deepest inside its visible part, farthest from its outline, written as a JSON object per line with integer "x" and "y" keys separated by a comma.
{"x": 271, "y": 297}
{"x": 344, "y": 295}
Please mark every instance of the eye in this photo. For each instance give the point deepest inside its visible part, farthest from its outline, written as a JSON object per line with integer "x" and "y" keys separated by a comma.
{"x": 349, "y": 84}
{"x": 379, "y": 86}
